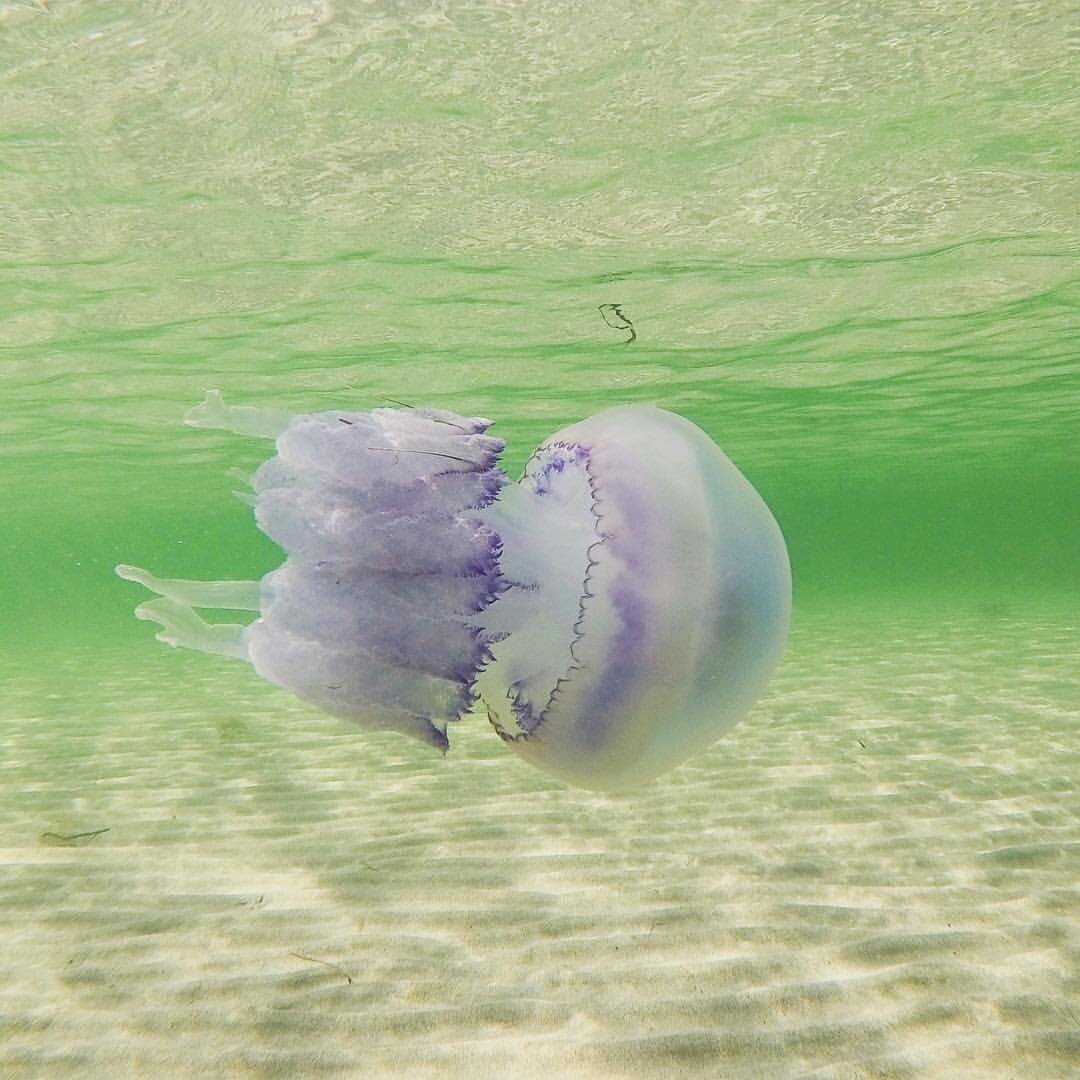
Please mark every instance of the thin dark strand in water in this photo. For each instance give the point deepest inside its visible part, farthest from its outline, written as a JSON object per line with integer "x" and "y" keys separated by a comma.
{"x": 67, "y": 838}
{"x": 435, "y": 419}
{"x": 621, "y": 323}
{"x": 429, "y": 453}
{"x": 325, "y": 963}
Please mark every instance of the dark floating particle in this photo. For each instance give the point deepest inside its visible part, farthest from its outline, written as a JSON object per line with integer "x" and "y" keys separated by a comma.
{"x": 71, "y": 838}
{"x": 614, "y": 317}
{"x": 325, "y": 963}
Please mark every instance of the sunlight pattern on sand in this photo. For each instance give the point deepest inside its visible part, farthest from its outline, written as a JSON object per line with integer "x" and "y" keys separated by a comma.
{"x": 876, "y": 875}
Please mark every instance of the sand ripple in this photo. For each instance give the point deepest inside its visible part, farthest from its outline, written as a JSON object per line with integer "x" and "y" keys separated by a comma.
{"x": 876, "y": 876}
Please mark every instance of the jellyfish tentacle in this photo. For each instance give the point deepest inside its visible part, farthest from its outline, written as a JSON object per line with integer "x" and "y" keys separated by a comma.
{"x": 181, "y": 626}
{"x": 232, "y": 595}
{"x": 212, "y": 412}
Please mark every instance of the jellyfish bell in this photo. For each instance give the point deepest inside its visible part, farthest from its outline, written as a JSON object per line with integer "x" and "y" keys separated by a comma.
{"x": 614, "y": 611}
{"x": 662, "y": 602}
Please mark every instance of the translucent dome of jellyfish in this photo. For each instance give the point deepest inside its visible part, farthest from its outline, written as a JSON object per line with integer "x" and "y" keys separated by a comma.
{"x": 614, "y": 611}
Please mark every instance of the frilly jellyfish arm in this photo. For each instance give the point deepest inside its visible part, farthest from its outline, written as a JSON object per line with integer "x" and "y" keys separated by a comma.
{"x": 614, "y": 611}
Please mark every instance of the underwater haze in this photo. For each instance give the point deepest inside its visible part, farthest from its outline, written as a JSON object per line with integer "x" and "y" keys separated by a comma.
{"x": 844, "y": 240}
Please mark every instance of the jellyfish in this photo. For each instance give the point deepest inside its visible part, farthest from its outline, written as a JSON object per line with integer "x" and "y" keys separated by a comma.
{"x": 613, "y": 612}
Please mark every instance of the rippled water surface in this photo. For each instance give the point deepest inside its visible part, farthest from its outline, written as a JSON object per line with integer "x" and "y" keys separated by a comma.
{"x": 846, "y": 236}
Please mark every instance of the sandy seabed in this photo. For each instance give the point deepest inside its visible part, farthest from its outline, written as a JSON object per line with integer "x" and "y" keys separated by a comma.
{"x": 876, "y": 875}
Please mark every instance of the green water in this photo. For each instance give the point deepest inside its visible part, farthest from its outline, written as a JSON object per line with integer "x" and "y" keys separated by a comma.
{"x": 846, "y": 236}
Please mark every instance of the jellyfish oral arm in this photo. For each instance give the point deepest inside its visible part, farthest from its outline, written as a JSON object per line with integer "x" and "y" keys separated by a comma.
{"x": 174, "y": 610}
{"x": 212, "y": 412}
{"x": 372, "y": 615}
{"x": 234, "y": 595}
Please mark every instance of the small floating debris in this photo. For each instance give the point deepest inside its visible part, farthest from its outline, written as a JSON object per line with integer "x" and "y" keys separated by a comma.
{"x": 614, "y": 317}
